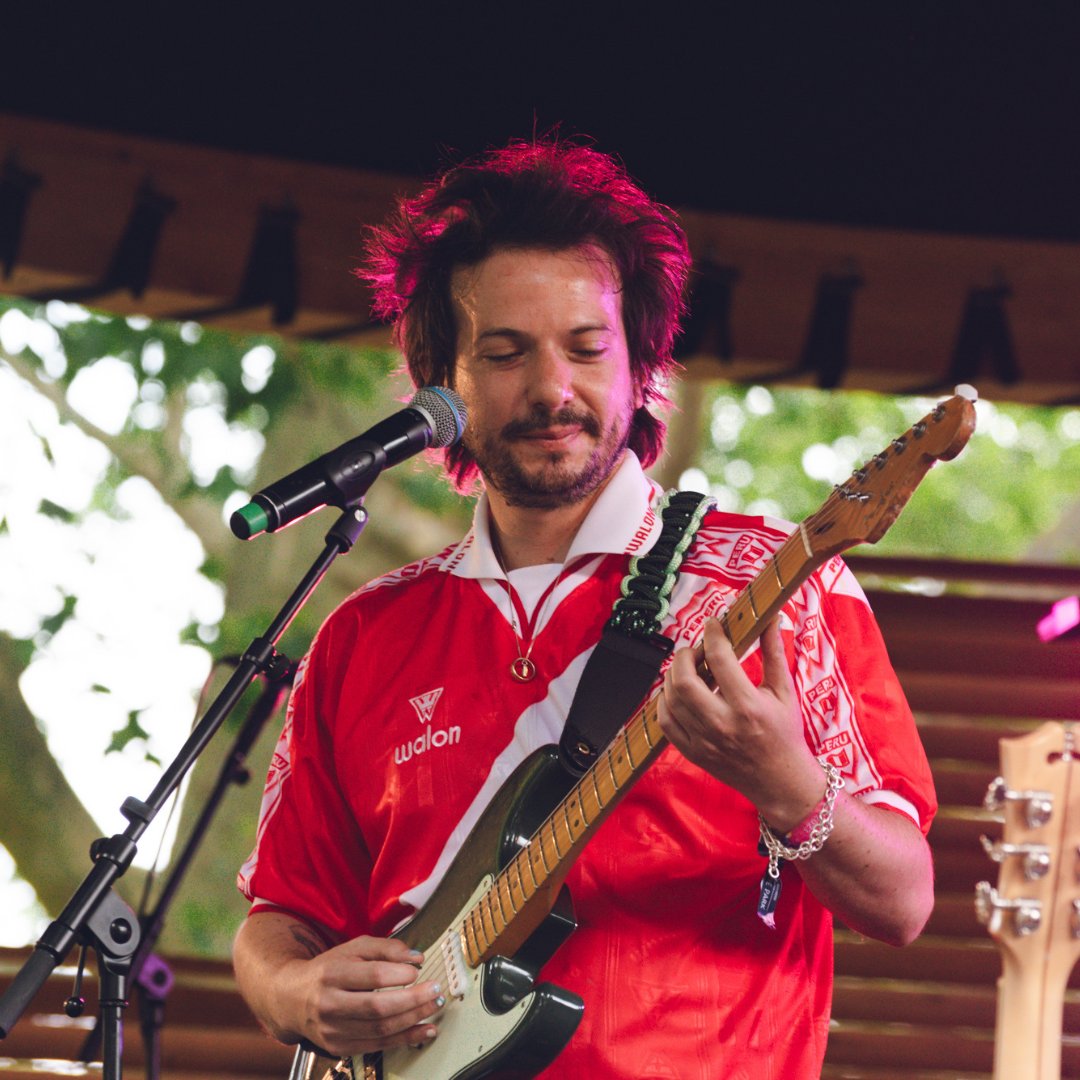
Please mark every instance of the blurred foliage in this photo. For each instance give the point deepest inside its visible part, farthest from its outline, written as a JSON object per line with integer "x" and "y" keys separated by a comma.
{"x": 1009, "y": 486}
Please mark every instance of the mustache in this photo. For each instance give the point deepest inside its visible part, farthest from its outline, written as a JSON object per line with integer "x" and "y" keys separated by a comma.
{"x": 542, "y": 419}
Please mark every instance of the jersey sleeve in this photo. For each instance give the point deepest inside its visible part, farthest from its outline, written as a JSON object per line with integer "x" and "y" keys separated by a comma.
{"x": 309, "y": 857}
{"x": 855, "y": 711}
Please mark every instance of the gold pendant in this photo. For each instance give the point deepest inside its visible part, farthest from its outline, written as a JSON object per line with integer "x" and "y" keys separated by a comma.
{"x": 523, "y": 669}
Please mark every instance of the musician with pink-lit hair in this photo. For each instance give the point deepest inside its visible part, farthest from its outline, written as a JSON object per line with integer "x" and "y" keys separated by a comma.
{"x": 542, "y": 285}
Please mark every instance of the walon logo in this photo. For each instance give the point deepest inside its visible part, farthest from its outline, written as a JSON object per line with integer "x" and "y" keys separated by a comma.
{"x": 432, "y": 738}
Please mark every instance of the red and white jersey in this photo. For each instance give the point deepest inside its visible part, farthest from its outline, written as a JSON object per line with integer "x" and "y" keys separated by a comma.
{"x": 405, "y": 720}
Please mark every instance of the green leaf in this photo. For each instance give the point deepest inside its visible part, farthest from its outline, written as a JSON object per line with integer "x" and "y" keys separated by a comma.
{"x": 46, "y": 449}
{"x": 54, "y": 622}
{"x": 54, "y": 510}
{"x": 24, "y": 649}
{"x": 131, "y": 731}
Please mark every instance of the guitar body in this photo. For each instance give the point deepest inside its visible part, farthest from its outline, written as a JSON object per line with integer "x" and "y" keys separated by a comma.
{"x": 500, "y": 1024}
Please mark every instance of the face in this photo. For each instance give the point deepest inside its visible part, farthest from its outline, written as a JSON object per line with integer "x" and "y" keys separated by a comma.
{"x": 543, "y": 367}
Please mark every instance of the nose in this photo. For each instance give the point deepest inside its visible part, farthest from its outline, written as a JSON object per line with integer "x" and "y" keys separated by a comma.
{"x": 551, "y": 383}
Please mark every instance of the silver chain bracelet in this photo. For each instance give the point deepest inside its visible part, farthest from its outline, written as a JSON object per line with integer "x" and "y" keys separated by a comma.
{"x": 819, "y": 831}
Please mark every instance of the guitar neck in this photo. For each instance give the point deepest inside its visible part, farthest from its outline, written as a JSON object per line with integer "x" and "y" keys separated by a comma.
{"x": 761, "y": 600}
{"x": 1038, "y": 949}
{"x": 524, "y": 890}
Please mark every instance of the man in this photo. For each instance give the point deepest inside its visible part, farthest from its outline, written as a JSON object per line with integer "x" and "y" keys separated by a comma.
{"x": 545, "y": 288}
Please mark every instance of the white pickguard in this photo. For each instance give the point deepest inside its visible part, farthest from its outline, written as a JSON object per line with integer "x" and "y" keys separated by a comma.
{"x": 468, "y": 1032}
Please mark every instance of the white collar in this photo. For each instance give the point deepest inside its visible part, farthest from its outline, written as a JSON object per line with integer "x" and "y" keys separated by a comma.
{"x": 621, "y": 521}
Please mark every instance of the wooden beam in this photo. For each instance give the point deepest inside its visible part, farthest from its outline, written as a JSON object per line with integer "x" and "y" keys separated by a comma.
{"x": 905, "y": 314}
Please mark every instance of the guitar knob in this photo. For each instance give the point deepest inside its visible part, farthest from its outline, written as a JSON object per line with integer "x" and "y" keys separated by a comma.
{"x": 1026, "y": 914}
{"x": 1036, "y": 856}
{"x": 1037, "y": 812}
{"x": 996, "y": 794}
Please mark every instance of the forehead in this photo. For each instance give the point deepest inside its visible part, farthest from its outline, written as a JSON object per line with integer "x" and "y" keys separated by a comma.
{"x": 537, "y": 285}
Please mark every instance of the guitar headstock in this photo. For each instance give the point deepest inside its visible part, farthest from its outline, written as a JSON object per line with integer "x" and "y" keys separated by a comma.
{"x": 861, "y": 510}
{"x": 1034, "y": 913}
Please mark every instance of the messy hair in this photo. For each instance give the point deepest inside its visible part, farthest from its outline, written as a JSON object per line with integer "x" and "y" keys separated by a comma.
{"x": 551, "y": 195}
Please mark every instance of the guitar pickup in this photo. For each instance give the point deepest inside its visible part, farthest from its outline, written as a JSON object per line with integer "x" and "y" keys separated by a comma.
{"x": 1039, "y": 804}
{"x": 453, "y": 955}
{"x": 1026, "y": 914}
{"x": 1036, "y": 857}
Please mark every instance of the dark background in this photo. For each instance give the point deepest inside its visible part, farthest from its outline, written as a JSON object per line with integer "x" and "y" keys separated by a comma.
{"x": 959, "y": 117}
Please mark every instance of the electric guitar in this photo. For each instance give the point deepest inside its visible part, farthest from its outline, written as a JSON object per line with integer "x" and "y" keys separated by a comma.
{"x": 1034, "y": 913}
{"x": 501, "y": 910}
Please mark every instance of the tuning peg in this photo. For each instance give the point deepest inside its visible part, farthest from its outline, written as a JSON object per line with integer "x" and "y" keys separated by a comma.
{"x": 1027, "y": 914}
{"x": 1040, "y": 804}
{"x": 1036, "y": 856}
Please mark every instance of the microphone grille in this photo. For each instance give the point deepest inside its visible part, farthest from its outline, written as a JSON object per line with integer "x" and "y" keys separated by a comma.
{"x": 446, "y": 410}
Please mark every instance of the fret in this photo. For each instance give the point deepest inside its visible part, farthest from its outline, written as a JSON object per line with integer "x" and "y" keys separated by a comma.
{"x": 748, "y": 592}
{"x": 487, "y": 910}
{"x": 575, "y": 819}
{"x": 579, "y": 794}
{"x": 774, "y": 562}
{"x": 502, "y": 888}
{"x": 620, "y": 769}
{"x": 648, "y": 735}
{"x": 642, "y": 741}
{"x": 548, "y": 833}
{"x": 495, "y": 903}
{"x": 737, "y": 618}
{"x": 601, "y": 801}
{"x": 477, "y": 927}
{"x": 590, "y": 796}
{"x": 629, "y": 750}
{"x": 515, "y": 866}
{"x": 560, "y": 828}
{"x": 611, "y": 771}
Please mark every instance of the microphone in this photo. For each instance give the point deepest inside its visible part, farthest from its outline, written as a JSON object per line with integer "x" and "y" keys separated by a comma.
{"x": 435, "y": 417}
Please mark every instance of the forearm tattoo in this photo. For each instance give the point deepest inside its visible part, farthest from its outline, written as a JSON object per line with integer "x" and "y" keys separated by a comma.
{"x": 305, "y": 938}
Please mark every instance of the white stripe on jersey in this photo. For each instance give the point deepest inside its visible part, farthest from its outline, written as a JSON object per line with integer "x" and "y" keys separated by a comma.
{"x": 539, "y": 725}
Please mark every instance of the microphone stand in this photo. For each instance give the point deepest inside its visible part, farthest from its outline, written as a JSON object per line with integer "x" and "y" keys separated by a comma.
{"x": 149, "y": 972}
{"x": 96, "y": 916}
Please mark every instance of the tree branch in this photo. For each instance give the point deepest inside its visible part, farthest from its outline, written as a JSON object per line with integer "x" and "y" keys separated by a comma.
{"x": 43, "y": 823}
{"x": 199, "y": 515}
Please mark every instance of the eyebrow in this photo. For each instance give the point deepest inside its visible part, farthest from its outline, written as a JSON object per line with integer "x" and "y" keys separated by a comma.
{"x": 508, "y": 331}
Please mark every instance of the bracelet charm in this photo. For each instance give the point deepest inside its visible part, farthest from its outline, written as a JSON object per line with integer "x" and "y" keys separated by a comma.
{"x": 815, "y": 829}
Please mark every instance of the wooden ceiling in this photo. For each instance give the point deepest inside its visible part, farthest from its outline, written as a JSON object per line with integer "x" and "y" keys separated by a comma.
{"x": 169, "y": 230}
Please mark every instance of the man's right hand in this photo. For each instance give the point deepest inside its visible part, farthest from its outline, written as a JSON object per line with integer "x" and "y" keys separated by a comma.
{"x": 329, "y": 997}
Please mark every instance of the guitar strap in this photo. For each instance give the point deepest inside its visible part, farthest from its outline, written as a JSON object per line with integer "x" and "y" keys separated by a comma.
{"x": 624, "y": 664}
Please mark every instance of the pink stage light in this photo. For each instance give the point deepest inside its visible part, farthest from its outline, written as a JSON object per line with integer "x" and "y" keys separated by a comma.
{"x": 1063, "y": 619}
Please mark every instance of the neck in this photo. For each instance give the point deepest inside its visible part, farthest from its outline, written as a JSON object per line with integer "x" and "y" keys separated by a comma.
{"x": 528, "y": 536}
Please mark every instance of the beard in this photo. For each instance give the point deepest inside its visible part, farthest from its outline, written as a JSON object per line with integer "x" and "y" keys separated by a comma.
{"x": 553, "y": 482}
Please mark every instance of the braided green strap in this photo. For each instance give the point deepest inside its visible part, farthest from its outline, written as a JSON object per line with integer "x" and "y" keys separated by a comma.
{"x": 646, "y": 589}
